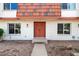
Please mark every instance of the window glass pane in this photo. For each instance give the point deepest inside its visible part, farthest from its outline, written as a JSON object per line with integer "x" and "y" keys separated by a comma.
{"x": 71, "y": 6}
{"x": 14, "y": 28}
{"x": 11, "y": 28}
{"x": 66, "y": 28}
{"x": 68, "y": 6}
{"x": 17, "y": 25}
{"x": 14, "y": 6}
{"x": 64, "y": 5}
{"x": 17, "y": 29}
{"x": 60, "y": 29}
{"x": 6, "y": 6}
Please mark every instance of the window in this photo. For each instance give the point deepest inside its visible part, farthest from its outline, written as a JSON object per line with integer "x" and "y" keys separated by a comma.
{"x": 10, "y": 6}
{"x": 6, "y": 6}
{"x": 14, "y": 28}
{"x": 60, "y": 28}
{"x": 63, "y": 28}
{"x": 64, "y": 5}
{"x": 68, "y": 6}
{"x": 14, "y": 6}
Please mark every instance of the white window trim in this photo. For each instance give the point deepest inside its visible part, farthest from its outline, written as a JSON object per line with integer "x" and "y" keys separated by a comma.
{"x": 63, "y": 29}
{"x": 14, "y": 26}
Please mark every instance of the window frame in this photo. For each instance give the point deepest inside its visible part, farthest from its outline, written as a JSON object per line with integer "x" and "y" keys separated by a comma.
{"x": 58, "y": 29}
{"x": 4, "y": 5}
{"x": 14, "y": 29}
{"x": 62, "y": 6}
{"x": 64, "y": 29}
{"x": 9, "y": 7}
{"x": 69, "y": 6}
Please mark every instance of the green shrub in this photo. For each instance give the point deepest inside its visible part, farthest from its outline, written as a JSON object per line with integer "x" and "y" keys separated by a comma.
{"x": 1, "y": 32}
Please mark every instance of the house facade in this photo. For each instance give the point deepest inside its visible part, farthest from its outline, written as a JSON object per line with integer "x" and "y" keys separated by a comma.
{"x": 54, "y": 21}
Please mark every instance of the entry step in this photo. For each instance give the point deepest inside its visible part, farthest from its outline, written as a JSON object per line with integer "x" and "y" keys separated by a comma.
{"x": 39, "y": 40}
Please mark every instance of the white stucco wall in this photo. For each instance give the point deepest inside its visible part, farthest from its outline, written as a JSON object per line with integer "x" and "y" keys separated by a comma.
{"x": 27, "y": 33}
{"x": 77, "y": 9}
{"x": 51, "y": 31}
{"x": 7, "y": 13}
{"x": 71, "y": 13}
{"x": 68, "y": 13}
{"x": 1, "y": 8}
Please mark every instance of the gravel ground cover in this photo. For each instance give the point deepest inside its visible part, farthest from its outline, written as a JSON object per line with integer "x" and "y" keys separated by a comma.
{"x": 16, "y": 48}
{"x": 62, "y": 48}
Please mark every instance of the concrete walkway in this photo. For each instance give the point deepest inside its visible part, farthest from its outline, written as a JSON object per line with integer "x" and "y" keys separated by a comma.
{"x": 39, "y": 50}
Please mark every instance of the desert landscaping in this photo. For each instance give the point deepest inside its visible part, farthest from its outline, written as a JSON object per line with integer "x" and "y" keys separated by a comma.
{"x": 16, "y": 48}
{"x": 25, "y": 48}
{"x": 62, "y": 48}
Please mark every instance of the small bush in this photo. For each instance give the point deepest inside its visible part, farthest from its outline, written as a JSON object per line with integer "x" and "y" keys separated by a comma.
{"x": 1, "y": 32}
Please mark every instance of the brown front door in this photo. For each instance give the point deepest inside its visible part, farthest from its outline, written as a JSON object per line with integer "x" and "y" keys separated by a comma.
{"x": 39, "y": 29}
